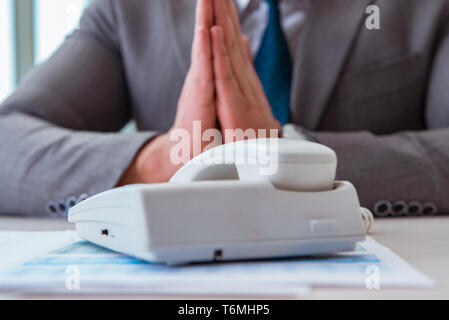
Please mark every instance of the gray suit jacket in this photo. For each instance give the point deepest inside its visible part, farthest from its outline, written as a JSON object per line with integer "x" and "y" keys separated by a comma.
{"x": 380, "y": 98}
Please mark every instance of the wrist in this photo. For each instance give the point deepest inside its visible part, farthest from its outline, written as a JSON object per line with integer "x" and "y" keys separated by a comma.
{"x": 151, "y": 164}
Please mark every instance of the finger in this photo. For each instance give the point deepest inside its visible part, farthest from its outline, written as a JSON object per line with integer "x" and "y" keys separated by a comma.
{"x": 201, "y": 74}
{"x": 203, "y": 58}
{"x": 237, "y": 54}
{"x": 256, "y": 85}
{"x": 257, "y": 89}
{"x": 203, "y": 22}
{"x": 226, "y": 83}
{"x": 253, "y": 78}
{"x": 222, "y": 64}
{"x": 204, "y": 14}
{"x": 232, "y": 10}
{"x": 220, "y": 12}
{"x": 226, "y": 17}
{"x": 249, "y": 54}
{"x": 204, "y": 17}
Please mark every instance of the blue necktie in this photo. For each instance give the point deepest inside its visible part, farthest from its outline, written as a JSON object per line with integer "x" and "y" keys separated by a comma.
{"x": 274, "y": 66}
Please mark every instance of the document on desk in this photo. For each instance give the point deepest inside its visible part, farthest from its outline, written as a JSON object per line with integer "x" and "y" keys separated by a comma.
{"x": 62, "y": 262}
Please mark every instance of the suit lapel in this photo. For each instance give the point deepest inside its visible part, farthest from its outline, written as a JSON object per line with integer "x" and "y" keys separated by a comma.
{"x": 181, "y": 16}
{"x": 330, "y": 31}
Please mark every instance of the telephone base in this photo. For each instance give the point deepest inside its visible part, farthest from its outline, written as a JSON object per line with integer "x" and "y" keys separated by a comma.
{"x": 220, "y": 221}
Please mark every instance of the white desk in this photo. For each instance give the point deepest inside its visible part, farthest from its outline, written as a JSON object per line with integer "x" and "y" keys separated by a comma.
{"x": 422, "y": 242}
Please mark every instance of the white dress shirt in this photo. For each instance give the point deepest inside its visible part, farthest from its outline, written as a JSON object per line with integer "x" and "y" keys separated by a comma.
{"x": 254, "y": 21}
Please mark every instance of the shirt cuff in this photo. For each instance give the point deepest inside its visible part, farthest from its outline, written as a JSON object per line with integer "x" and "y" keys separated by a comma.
{"x": 295, "y": 132}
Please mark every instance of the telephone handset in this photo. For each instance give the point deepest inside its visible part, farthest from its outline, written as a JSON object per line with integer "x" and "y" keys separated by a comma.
{"x": 287, "y": 164}
{"x": 252, "y": 199}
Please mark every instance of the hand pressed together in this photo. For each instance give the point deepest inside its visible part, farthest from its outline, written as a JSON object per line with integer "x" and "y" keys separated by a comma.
{"x": 221, "y": 91}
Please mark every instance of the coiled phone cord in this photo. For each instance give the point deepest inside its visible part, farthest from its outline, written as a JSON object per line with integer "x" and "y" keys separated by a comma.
{"x": 368, "y": 219}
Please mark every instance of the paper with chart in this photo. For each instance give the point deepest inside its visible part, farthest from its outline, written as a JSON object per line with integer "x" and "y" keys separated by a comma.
{"x": 60, "y": 261}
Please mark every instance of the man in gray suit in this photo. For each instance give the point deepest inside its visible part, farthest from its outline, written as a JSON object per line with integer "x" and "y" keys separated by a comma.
{"x": 379, "y": 97}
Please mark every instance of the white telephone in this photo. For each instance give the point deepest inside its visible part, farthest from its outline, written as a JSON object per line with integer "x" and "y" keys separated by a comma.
{"x": 251, "y": 199}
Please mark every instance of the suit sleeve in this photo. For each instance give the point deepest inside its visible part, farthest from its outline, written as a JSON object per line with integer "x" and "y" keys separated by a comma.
{"x": 409, "y": 166}
{"x": 58, "y": 130}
